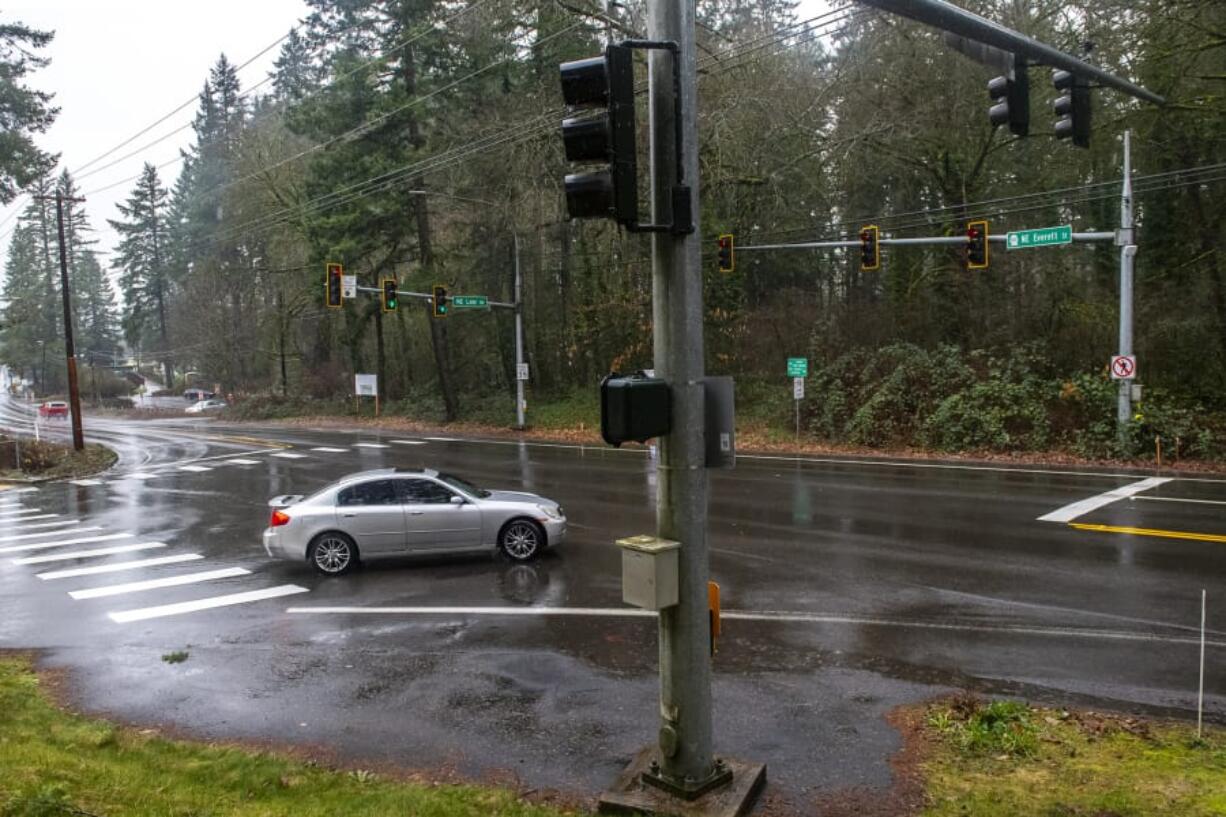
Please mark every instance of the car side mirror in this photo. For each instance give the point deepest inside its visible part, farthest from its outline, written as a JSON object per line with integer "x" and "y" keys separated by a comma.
{"x": 457, "y": 500}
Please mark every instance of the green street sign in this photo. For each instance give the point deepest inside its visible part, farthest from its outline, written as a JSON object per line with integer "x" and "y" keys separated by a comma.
{"x": 1045, "y": 237}
{"x": 798, "y": 367}
{"x": 470, "y": 301}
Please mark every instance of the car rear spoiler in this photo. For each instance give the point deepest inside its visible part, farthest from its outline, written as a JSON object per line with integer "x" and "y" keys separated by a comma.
{"x": 284, "y": 501}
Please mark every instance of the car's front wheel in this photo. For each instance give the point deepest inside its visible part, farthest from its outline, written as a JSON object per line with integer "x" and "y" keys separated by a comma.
{"x": 333, "y": 554}
{"x": 521, "y": 539}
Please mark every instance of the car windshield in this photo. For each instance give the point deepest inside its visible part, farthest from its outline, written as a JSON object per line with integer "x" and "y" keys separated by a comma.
{"x": 464, "y": 485}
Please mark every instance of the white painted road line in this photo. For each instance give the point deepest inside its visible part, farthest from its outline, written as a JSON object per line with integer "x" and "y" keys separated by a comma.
{"x": 82, "y": 540}
{"x": 140, "y": 475}
{"x": 88, "y": 554}
{"x": 241, "y": 461}
{"x": 1070, "y": 512}
{"x": 60, "y": 532}
{"x": 783, "y": 617}
{"x": 370, "y": 445}
{"x": 327, "y": 450}
{"x": 409, "y": 442}
{"x": 1181, "y": 499}
{"x": 86, "y": 482}
{"x": 195, "y": 469}
{"x": 286, "y": 455}
{"x": 119, "y": 566}
{"x": 155, "y": 584}
{"x": 456, "y": 440}
{"x": 10, "y": 491}
{"x": 11, "y": 513}
{"x": 61, "y": 523}
{"x": 14, "y": 522}
{"x": 206, "y": 604}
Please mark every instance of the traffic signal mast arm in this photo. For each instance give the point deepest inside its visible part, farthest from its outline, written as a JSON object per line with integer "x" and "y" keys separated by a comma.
{"x": 429, "y": 297}
{"x": 952, "y": 240}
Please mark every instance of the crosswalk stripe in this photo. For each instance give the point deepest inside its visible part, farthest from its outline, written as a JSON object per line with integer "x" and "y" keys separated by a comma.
{"x": 116, "y": 567}
{"x": 9, "y": 491}
{"x": 409, "y": 442}
{"x": 88, "y": 554}
{"x": 327, "y": 450}
{"x": 161, "y": 611}
{"x": 369, "y": 445}
{"x": 241, "y": 461}
{"x": 7, "y": 514}
{"x": 31, "y": 518}
{"x": 289, "y": 455}
{"x": 195, "y": 469}
{"x": 85, "y": 529}
{"x": 58, "y": 524}
{"x": 155, "y": 584}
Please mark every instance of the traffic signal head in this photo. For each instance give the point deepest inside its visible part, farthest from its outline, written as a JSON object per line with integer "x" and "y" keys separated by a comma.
{"x": 333, "y": 292}
{"x": 977, "y": 245}
{"x": 1011, "y": 99}
{"x": 1072, "y": 108}
{"x": 870, "y": 250}
{"x": 606, "y": 83}
{"x": 390, "y": 300}
{"x": 727, "y": 261}
{"x": 438, "y": 301}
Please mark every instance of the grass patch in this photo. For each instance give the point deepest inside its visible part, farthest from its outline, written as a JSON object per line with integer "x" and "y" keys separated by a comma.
{"x": 54, "y": 763}
{"x": 47, "y": 460}
{"x": 1006, "y": 759}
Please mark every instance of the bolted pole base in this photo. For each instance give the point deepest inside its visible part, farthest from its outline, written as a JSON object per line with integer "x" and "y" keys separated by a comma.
{"x": 730, "y": 791}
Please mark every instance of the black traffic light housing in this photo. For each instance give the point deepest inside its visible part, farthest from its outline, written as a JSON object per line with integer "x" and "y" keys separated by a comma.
{"x": 438, "y": 301}
{"x": 977, "y": 245}
{"x": 607, "y": 82}
{"x": 1072, "y": 107}
{"x": 390, "y": 299}
{"x": 726, "y": 253}
{"x": 334, "y": 294}
{"x": 870, "y": 249}
{"x": 634, "y": 407}
{"x": 1011, "y": 98}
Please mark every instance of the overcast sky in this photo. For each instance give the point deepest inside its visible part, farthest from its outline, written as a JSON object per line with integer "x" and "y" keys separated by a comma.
{"x": 120, "y": 65}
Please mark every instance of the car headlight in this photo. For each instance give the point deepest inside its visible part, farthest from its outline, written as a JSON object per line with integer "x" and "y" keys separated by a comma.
{"x": 552, "y": 513}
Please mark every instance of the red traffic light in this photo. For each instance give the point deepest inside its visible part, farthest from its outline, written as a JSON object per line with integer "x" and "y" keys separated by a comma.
{"x": 977, "y": 245}
{"x": 726, "y": 250}
{"x": 334, "y": 294}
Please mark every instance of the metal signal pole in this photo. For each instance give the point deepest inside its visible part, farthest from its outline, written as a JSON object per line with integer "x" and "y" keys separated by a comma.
{"x": 74, "y": 393}
{"x": 1128, "y": 255}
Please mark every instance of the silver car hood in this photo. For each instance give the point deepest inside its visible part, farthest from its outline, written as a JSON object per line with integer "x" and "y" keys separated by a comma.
{"x": 517, "y": 496}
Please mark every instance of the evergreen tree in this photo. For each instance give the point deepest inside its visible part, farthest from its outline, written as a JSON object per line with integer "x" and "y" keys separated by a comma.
{"x": 23, "y": 111}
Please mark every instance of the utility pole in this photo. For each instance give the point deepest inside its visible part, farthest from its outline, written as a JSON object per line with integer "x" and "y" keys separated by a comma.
{"x": 1128, "y": 255}
{"x": 518, "y": 297}
{"x": 74, "y": 394}
{"x": 686, "y": 758}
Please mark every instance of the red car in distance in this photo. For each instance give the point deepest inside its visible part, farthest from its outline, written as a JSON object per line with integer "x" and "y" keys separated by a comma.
{"x": 53, "y": 408}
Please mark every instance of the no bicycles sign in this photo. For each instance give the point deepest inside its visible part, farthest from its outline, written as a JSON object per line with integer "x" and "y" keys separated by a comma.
{"x": 1124, "y": 367}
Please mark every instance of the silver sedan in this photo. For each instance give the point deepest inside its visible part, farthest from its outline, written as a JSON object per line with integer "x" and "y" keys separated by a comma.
{"x": 398, "y": 512}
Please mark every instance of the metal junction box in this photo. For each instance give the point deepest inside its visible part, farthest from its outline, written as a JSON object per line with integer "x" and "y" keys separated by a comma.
{"x": 649, "y": 571}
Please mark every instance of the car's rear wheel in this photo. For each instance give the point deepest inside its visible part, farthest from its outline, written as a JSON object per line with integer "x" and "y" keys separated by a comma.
{"x": 333, "y": 554}
{"x": 521, "y": 539}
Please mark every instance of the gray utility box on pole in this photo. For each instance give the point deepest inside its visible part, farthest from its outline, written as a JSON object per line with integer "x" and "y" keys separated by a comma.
{"x": 649, "y": 571}
{"x": 720, "y": 409}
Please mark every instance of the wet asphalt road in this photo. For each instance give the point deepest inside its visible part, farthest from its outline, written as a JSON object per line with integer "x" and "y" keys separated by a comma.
{"x": 852, "y": 587}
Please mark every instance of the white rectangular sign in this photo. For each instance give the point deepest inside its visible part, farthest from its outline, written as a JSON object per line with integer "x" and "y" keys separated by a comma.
{"x": 798, "y": 388}
{"x": 1124, "y": 367}
{"x": 349, "y": 286}
{"x": 366, "y": 385}
{"x": 521, "y": 371}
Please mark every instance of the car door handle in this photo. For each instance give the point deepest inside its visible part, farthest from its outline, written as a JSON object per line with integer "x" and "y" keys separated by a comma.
{"x": 349, "y": 515}
{"x": 416, "y": 513}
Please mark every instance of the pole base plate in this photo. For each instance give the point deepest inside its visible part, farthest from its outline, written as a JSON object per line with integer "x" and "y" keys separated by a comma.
{"x": 730, "y": 792}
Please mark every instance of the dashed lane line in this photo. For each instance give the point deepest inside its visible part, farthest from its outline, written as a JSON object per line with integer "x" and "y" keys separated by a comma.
{"x": 409, "y": 442}
{"x": 1082, "y": 507}
{"x": 241, "y": 461}
{"x": 1162, "y": 534}
{"x": 88, "y": 554}
{"x": 80, "y": 540}
{"x": 195, "y": 469}
{"x": 157, "y": 584}
{"x": 116, "y": 567}
{"x": 325, "y": 449}
{"x": 287, "y": 455}
{"x": 370, "y": 445}
{"x": 143, "y": 614}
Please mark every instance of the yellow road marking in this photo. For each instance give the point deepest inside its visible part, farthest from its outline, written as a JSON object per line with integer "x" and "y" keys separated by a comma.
{"x": 1165, "y": 534}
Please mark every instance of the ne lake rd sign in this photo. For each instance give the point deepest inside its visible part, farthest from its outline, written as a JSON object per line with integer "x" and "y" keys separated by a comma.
{"x": 1045, "y": 237}
{"x": 470, "y": 301}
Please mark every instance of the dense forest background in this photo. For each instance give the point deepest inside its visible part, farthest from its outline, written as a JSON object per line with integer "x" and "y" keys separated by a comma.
{"x": 418, "y": 138}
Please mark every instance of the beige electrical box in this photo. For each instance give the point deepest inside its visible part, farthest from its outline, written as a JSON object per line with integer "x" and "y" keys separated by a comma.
{"x": 649, "y": 571}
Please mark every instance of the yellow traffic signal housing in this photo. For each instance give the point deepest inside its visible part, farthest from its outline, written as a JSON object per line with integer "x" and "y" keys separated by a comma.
{"x": 870, "y": 249}
{"x": 438, "y": 301}
{"x": 390, "y": 301}
{"x": 977, "y": 245}
{"x": 727, "y": 250}
{"x": 334, "y": 293}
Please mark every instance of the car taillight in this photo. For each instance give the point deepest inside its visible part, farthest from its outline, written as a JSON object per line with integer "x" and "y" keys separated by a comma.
{"x": 279, "y": 518}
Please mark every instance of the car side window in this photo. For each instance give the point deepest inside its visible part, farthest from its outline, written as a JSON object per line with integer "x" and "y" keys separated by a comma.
{"x": 425, "y": 492}
{"x": 375, "y": 492}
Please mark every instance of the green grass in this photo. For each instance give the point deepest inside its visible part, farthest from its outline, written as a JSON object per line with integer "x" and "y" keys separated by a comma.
{"x": 47, "y": 460}
{"x": 56, "y": 764}
{"x": 1005, "y": 759}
